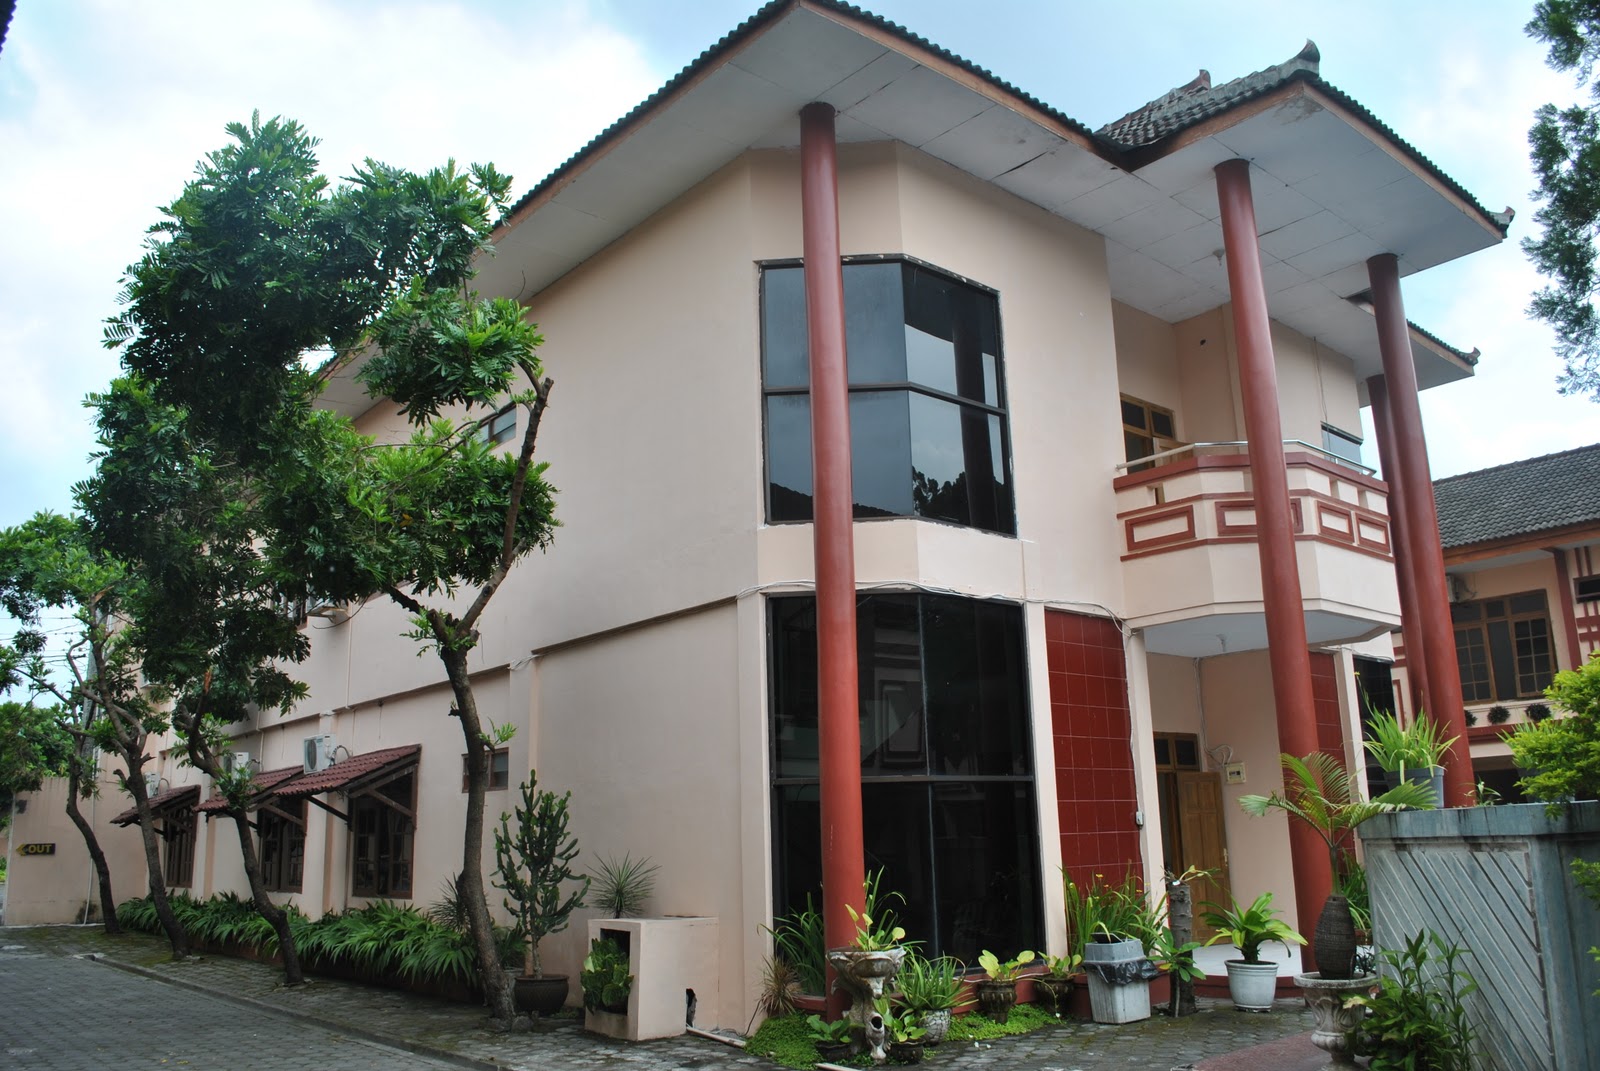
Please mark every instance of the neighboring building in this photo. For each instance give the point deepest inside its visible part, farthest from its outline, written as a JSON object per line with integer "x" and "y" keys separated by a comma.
{"x": 1063, "y": 631}
{"x": 1522, "y": 546}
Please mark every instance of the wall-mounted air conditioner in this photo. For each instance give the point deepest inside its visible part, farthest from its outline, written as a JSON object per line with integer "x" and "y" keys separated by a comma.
{"x": 1460, "y": 590}
{"x": 319, "y": 752}
{"x": 234, "y": 761}
{"x": 336, "y": 612}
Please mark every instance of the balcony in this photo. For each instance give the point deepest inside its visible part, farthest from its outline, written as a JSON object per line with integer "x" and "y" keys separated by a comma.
{"x": 1191, "y": 571}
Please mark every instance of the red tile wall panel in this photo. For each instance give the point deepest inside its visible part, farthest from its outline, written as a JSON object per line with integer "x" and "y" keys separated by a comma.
{"x": 1095, "y": 794}
{"x": 1325, "y": 704}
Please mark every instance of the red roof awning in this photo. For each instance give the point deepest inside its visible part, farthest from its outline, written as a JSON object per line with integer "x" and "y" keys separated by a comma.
{"x": 162, "y": 803}
{"x": 264, "y": 785}
{"x": 355, "y": 768}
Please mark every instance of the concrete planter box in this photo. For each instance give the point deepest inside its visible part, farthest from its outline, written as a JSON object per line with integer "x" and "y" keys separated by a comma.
{"x": 1496, "y": 880}
{"x": 670, "y": 959}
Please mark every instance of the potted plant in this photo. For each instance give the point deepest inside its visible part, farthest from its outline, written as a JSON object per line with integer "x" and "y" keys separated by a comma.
{"x": 1537, "y": 712}
{"x": 1054, "y": 987}
{"x": 834, "y": 1041}
{"x": 929, "y": 990}
{"x": 533, "y": 860}
{"x": 605, "y": 978}
{"x": 1321, "y": 793}
{"x": 1252, "y": 981}
{"x": 1499, "y": 714}
{"x": 1414, "y": 753}
{"x": 998, "y": 991}
{"x": 905, "y": 1037}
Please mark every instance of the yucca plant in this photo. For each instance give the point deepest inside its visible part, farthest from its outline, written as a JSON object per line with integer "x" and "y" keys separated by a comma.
{"x": 621, "y": 887}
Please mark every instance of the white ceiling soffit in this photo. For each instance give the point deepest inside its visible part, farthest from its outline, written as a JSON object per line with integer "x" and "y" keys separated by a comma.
{"x": 1327, "y": 196}
{"x": 1228, "y": 633}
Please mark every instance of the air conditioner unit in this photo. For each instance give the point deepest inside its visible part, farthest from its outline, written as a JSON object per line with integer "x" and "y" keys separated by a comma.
{"x": 234, "y": 761}
{"x": 337, "y": 612}
{"x": 319, "y": 752}
{"x": 152, "y": 782}
{"x": 1459, "y": 591}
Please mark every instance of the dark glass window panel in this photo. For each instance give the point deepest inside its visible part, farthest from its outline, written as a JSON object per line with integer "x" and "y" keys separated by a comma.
{"x": 880, "y": 454}
{"x": 1161, "y": 424}
{"x": 977, "y": 718}
{"x": 1533, "y": 656}
{"x": 984, "y": 838}
{"x": 951, "y": 336}
{"x": 1502, "y": 658}
{"x": 958, "y": 465}
{"x": 383, "y": 841}
{"x": 1472, "y": 658}
{"x": 1133, "y": 415}
{"x": 1531, "y": 602}
{"x": 874, "y": 318}
{"x": 1188, "y": 753}
{"x": 796, "y": 847}
{"x": 1341, "y": 444}
{"x": 1495, "y": 608}
{"x": 784, "y": 353}
{"x": 793, "y": 665}
{"x": 1163, "y": 751}
{"x": 1466, "y": 611}
{"x": 889, "y": 668}
{"x": 897, "y": 840}
{"x": 1136, "y": 446}
{"x": 501, "y": 426}
{"x": 789, "y": 457}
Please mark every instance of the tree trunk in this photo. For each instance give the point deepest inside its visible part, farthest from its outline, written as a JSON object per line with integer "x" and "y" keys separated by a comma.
{"x": 277, "y": 916}
{"x": 176, "y": 934}
{"x": 108, "y": 902}
{"x": 1180, "y": 917}
{"x": 474, "y": 899}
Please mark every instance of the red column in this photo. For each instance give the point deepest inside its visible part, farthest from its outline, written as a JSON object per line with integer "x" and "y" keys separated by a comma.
{"x": 1405, "y": 578}
{"x": 838, "y": 717}
{"x": 1569, "y": 615}
{"x": 1269, "y": 480}
{"x": 1437, "y": 644}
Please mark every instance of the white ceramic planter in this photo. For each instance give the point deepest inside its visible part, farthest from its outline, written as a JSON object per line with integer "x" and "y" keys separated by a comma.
{"x": 1252, "y": 985}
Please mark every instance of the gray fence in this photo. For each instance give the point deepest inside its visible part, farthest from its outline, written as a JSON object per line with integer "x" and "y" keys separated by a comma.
{"x": 1495, "y": 880}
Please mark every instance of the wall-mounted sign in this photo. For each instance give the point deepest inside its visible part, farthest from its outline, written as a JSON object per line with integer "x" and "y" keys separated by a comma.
{"x": 36, "y": 849}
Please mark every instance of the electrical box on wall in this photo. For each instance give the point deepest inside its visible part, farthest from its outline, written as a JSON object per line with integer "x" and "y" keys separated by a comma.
{"x": 1233, "y": 773}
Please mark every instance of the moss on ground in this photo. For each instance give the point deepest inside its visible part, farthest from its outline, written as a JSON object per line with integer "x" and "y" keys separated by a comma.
{"x": 1024, "y": 1019}
{"x": 787, "y": 1040}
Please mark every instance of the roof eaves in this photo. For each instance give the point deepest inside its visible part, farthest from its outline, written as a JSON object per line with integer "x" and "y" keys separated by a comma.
{"x": 748, "y": 28}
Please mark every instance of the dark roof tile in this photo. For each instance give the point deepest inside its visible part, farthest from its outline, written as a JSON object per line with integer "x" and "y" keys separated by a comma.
{"x": 1533, "y": 495}
{"x": 163, "y": 802}
{"x": 263, "y": 783}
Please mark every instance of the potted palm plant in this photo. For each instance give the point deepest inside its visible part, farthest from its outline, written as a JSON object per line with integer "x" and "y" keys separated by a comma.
{"x": 533, "y": 856}
{"x": 1252, "y": 981}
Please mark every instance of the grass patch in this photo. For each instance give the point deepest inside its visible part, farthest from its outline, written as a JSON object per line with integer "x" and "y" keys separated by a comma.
{"x": 784, "y": 1040}
{"x": 1024, "y": 1019}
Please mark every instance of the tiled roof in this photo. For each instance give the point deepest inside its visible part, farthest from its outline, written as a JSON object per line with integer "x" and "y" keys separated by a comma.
{"x": 168, "y": 799}
{"x": 216, "y": 804}
{"x": 1534, "y": 495}
{"x": 342, "y": 773}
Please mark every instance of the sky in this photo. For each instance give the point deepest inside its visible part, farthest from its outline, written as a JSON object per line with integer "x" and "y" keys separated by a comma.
{"x": 106, "y": 106}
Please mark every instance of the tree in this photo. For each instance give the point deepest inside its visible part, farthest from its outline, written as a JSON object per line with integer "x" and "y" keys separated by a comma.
{"x": 1565, "y": 145}
{"x": 33, "y": 746}
{"x": 256, "y": 264}
{"x": 48, "y": 562}
{"x": 1562, "y": 755}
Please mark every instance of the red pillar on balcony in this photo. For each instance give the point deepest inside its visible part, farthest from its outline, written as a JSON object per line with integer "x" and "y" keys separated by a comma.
{"x": 1405, "y": 577}
{"x": 1436, "y": 642}
{"x": 838, "y": 719}
{"x": 1269, "y": 481}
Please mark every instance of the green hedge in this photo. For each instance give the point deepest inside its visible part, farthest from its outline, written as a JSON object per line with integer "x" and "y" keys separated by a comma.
{"x": 382, "y": 938}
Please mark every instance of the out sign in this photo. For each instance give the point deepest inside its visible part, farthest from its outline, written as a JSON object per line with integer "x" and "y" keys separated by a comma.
{"x": 37, "y": 849}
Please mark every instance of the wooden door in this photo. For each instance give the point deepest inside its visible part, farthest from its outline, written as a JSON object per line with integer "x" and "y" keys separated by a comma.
{"x": 1203, "y": 842}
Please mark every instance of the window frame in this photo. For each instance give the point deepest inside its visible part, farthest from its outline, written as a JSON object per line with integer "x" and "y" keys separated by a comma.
{"x": 391, "y": 826}
{"x": 492, "y": 433}
{"x": 283, "y": 868}
{"x": 999, "y": 409}
{"x": 178, "y": 833}
{"x": 1158, "y": 443}
{"x": 1474, "y": 637}
{"x": 499, "y": 757}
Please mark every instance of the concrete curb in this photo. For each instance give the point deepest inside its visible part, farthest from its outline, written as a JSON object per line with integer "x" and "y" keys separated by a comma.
{"x": 417, "y": 1048}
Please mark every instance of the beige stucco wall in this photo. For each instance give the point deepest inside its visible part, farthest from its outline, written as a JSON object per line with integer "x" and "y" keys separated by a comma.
{"x": 44, "y": 889}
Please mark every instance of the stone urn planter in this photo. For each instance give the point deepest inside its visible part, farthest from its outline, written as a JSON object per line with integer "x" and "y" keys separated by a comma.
{"x": 935, "y": 1025}
{"x": 1053, "y": 994}
{"x": 864, "y": 974}
{"x": 996, "y": 999}
{"x": 1332, "y": 1020}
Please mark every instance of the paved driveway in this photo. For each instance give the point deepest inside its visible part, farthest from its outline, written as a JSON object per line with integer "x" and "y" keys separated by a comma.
{"x": 73, "y": 1015}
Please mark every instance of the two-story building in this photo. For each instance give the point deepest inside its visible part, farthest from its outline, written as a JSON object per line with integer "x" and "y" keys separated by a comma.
{"x": 1106, "y": 539}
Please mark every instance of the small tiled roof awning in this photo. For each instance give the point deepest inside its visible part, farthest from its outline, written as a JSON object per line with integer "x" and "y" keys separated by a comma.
{"x": 354, "y": 772}
{"x": 162, "y": 803}
{"x": 264, "y": 784}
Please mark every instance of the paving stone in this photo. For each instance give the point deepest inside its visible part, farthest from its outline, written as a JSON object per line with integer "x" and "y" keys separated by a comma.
{"x": 348, "y": 1012}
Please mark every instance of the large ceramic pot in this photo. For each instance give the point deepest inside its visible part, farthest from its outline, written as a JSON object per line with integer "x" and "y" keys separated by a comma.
{"x": 995, "y": 999}
{"x": 542, "y": 996}
{"x": 905, "y": 1052}
{"x": 1335, "y": 939}
{"x": 935, "y": 1025}
{"x": 1252, "y": 985}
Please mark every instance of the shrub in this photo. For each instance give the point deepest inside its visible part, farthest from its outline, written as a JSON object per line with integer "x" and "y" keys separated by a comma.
{"x": 1417, "y": 1020}
{"x": 797, "y": 939}
{"x": 1499, "y": 715}
{"x": 1469, "y": 717}
{"x": 1537, "y": 712}
{"x": 605, "y": 978}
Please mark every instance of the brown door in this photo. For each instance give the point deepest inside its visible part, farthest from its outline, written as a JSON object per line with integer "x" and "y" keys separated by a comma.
{"x": 1203, "y": 842}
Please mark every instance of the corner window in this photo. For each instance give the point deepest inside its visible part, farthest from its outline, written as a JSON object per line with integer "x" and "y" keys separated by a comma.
{"x": 500, "y": 427}
{"x": 946, "y": 766}
{"x": 282, "y": 828}
{"x": 928, "y": 432}
{"x": 382, "y": 828}
{"x": 499, "y": 769}
{"x": 1503, "y": 647}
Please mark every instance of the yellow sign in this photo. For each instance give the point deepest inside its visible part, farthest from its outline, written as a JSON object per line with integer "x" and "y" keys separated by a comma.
{"x": 36, "y": 849}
